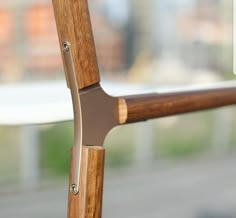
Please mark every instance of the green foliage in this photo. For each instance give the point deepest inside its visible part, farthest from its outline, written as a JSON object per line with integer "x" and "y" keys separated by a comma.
{"x": 177, "y": 147}
{"x": 119, "y": 156}
{"x": 56, "y": 142}
{"x": 119, "y": 147}
{"x": 188, "y": 136}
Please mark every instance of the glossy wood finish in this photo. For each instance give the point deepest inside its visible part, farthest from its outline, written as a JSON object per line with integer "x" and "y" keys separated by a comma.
{"x": 74, "y": 25}
{"x": 88, "y": 202}
{"x": 149, "y": 106}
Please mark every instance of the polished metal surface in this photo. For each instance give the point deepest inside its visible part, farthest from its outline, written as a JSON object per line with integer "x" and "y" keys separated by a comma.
{"x": 99, "y": 114}
{"x": 77, "y": 146}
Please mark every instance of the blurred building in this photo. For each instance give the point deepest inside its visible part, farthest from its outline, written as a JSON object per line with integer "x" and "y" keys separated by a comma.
{"x": 197, "y": 32}
{"x": 39, "y": 32}
{"x": 205, "y": 34}
{"x": 30, "y": 44}
{"x": 6, "y": 36}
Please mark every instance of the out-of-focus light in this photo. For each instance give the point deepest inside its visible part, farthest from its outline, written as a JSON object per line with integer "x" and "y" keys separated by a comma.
{"x": 234, "y": 36}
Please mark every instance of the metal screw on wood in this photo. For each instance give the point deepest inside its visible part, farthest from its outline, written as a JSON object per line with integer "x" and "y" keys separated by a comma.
{"x": 66, "y": 46}
{"x": 74, "y": 189}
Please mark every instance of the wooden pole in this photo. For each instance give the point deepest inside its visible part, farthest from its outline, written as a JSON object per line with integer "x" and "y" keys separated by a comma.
{"x": 74, "y": 26}
{"x": 88, "y": 202}
{"x": 150, "y": 106}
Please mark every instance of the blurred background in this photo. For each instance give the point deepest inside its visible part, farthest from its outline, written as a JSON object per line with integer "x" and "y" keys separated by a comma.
{"x": 182, "y": 166}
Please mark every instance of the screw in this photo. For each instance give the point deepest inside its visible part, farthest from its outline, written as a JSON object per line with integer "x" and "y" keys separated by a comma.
{"x": 66, "y": 46}
{"x": 74, "y": 189}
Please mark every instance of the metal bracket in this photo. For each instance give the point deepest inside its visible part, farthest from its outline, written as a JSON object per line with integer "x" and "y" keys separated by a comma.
{"x": 77, "y": 146}
{"x": 95, "y": 114}
{"x": 99, "y": 114}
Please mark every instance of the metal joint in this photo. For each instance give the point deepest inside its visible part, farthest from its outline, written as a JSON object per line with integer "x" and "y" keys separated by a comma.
{"x": 95, "y": 114}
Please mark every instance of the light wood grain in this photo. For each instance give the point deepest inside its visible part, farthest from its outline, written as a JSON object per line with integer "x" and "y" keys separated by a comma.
{"x": 88, "y": 202}
{"x": 122, "y": 111}
{"x": 74, "y": 25}
{"x": 150, "y": 106}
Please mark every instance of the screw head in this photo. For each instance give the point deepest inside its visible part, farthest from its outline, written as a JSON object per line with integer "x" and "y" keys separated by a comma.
{"x": 66, "y": 46}
{"x": 74, "y": 189}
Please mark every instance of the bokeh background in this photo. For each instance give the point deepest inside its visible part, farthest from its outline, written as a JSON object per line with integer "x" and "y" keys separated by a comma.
{"x": 182, "y": 166}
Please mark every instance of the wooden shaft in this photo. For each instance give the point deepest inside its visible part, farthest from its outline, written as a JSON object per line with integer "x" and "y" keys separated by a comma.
{"x": 149, "y": 106}
{"x": 74, "y": 26}
{"x": 88, "y": 202}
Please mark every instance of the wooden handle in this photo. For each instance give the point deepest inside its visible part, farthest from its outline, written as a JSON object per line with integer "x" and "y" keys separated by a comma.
{"x": 149, "y": 106}
{"x": 74, "y": 26}
{"x": 88, "y": 202}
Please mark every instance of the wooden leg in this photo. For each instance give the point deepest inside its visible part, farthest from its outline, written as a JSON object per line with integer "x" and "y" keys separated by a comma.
{"x": 88, "y": 202}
